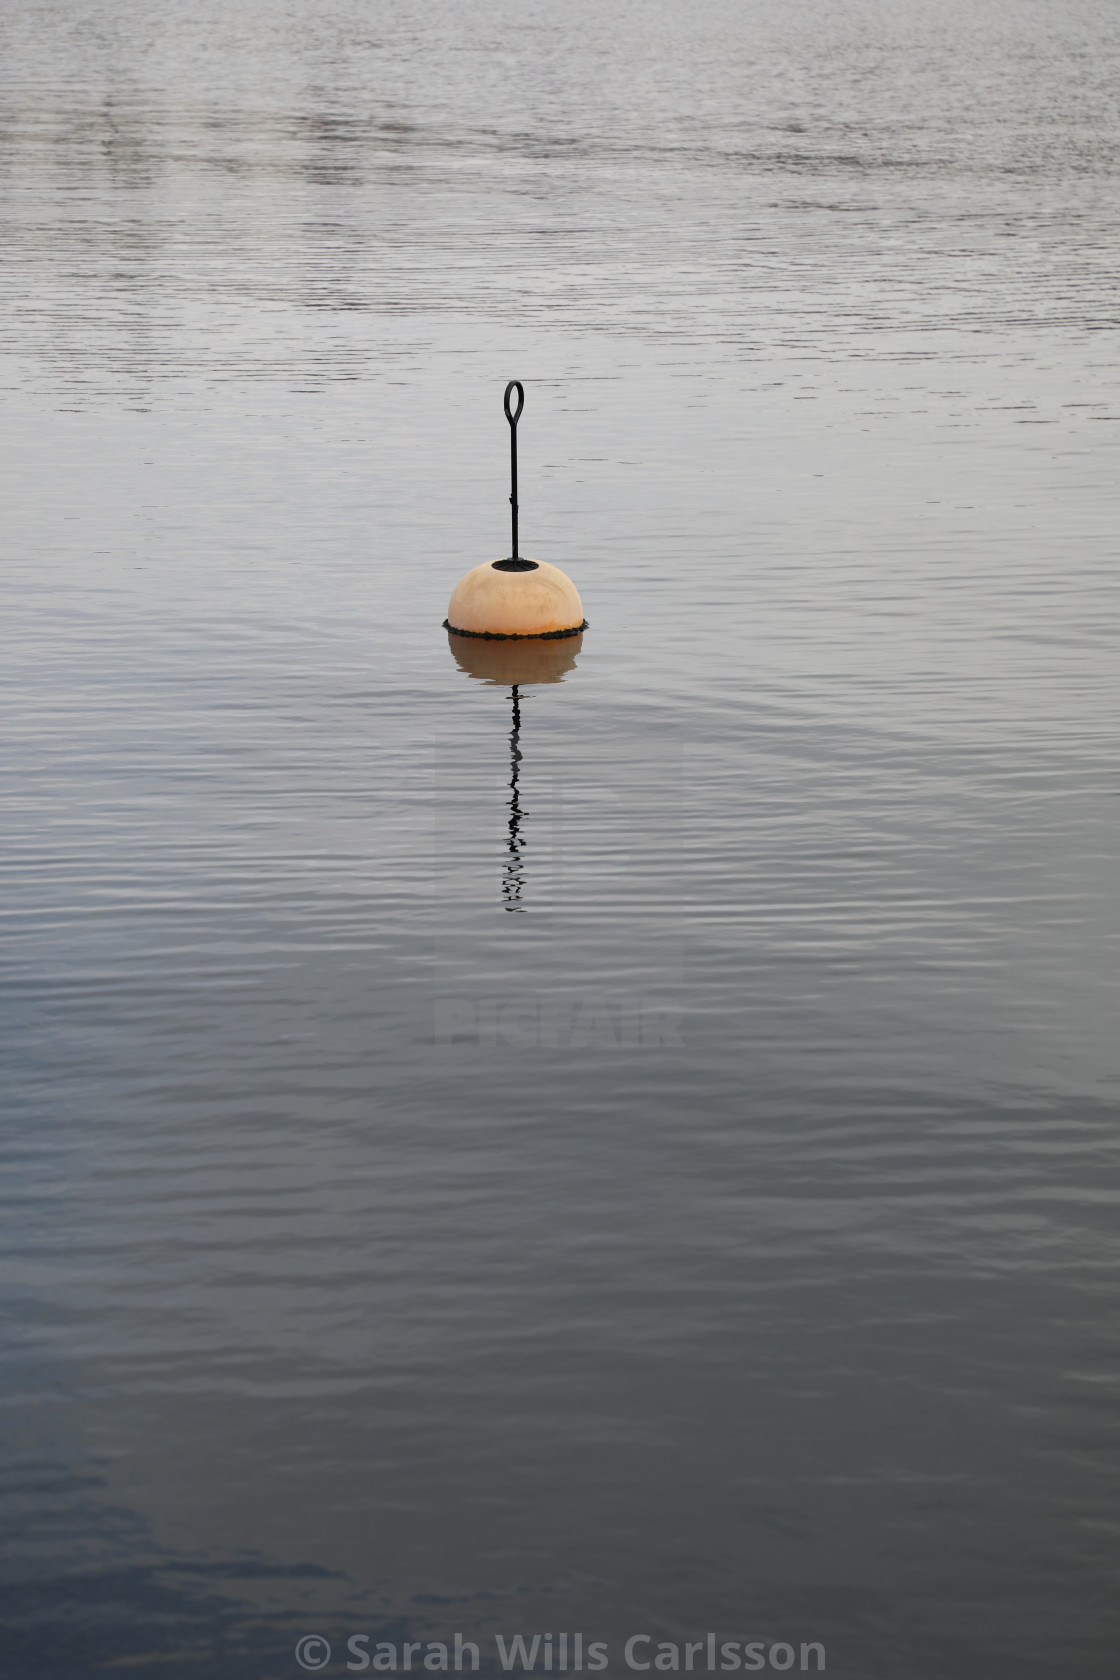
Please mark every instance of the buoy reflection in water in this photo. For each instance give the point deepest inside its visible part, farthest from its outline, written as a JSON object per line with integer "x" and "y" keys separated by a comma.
{"x": 516, "y": 663}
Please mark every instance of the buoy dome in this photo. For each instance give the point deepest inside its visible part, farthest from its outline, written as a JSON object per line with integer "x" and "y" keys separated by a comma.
{"x": 535, "y": 600}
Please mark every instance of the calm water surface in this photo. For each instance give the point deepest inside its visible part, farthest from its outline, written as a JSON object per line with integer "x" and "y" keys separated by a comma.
{"x": 702, "y": 1215}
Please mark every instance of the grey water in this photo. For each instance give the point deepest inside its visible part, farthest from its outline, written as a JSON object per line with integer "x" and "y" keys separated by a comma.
{"x": 686, "y": 1202}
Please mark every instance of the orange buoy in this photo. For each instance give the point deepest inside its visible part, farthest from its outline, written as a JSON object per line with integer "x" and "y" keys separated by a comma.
{"x": 495, "y": 603}
{"x": 515, "y": 598}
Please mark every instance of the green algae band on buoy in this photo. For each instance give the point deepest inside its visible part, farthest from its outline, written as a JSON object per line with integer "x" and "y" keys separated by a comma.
{"x": 514, "y": 598}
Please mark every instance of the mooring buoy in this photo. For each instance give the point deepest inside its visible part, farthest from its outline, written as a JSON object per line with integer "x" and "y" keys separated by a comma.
{"x": 515, "y": 599}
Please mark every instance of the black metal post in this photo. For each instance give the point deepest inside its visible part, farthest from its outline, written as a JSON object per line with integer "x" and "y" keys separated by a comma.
{"x": 513, "y": 416}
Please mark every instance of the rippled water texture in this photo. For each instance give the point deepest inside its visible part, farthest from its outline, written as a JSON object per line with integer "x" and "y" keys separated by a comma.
{"x": 649, "y": 1164}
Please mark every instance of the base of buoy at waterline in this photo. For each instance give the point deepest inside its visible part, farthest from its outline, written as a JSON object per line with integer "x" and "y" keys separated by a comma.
{"x": 514, "y": 599}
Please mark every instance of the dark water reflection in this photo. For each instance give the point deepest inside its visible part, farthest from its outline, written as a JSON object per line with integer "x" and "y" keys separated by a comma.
{"x": 727, "y": 1239}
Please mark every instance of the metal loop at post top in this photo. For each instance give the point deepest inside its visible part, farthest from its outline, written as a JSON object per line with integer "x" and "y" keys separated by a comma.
{"x": 514, "y": 385}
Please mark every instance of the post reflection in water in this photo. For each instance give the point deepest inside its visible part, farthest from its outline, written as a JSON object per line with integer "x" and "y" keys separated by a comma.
{"x": 517, "y": 663}
{"x": 513, "y": 879}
